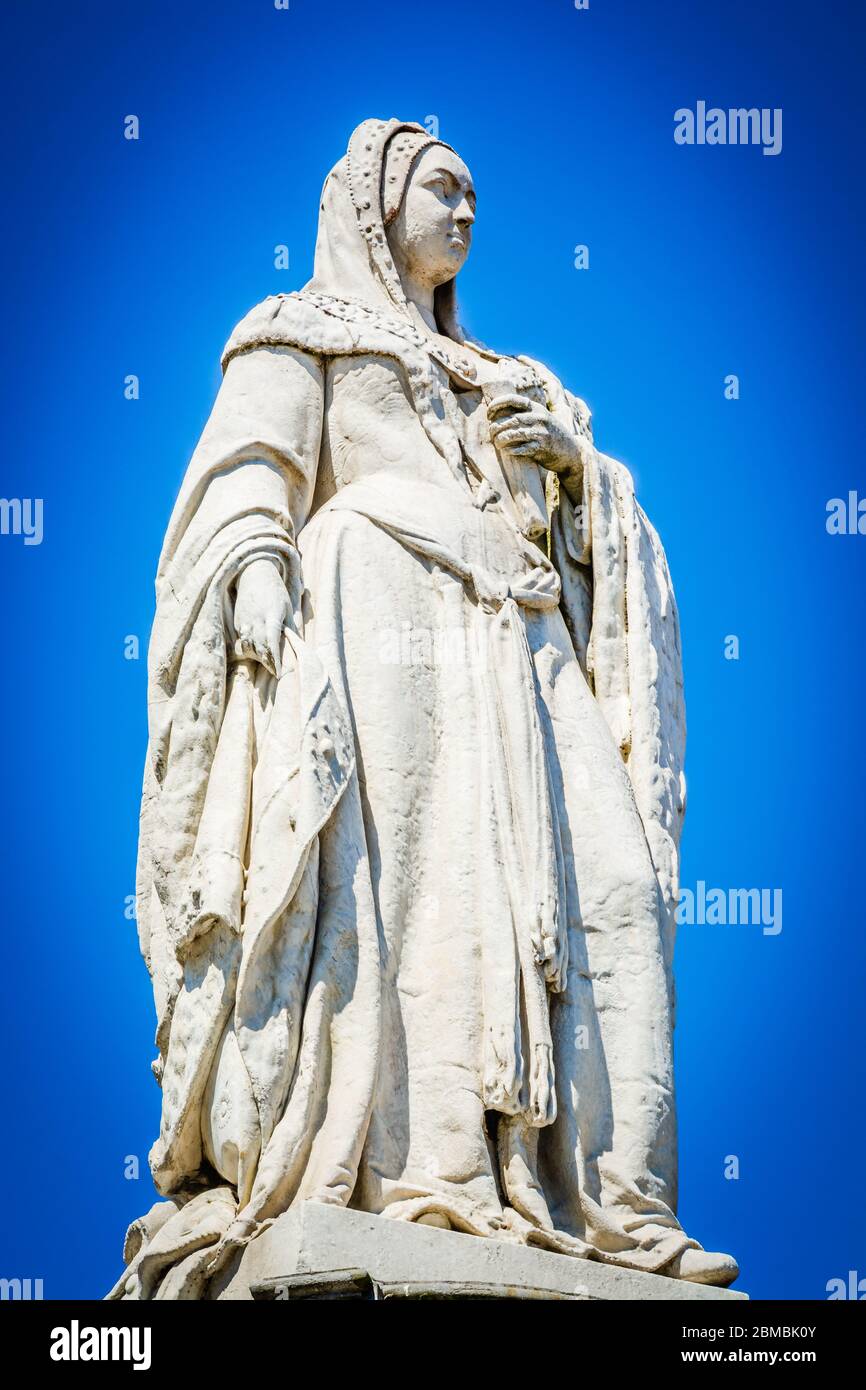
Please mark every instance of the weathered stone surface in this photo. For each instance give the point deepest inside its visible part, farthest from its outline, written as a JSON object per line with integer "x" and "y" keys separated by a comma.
{"x": 316, "y": 1251}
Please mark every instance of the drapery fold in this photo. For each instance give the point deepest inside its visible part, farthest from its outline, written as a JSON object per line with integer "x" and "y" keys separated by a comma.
{"x": 619, "y": 604}
{"x": 520, "y": 791}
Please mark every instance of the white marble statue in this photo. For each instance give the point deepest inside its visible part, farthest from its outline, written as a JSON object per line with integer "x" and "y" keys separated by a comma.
{"x": 413, "y": 794}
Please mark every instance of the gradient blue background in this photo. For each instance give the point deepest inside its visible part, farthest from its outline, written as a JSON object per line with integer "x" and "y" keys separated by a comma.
{"x": 124, "y": 257}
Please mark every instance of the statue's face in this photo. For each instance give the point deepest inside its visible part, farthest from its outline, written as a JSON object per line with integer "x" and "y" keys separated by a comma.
{"x": 430, "y": 236}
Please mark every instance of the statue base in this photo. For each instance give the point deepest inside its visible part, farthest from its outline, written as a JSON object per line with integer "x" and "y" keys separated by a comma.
{"x": 323, "y": 1252}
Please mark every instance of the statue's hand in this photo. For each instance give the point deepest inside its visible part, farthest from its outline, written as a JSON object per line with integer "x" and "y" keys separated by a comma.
{"x": 527, "y": 430}
{"x": 262, "y": 610}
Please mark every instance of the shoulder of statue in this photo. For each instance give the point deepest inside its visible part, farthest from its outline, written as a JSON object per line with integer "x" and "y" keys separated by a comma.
{"x": 288, "y": 320}
{"x": 323, "y": 325}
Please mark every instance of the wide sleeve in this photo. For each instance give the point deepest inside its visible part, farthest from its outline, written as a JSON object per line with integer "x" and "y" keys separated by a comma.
{"x": 245, "y": 495}
{"x": 257, "y": 457}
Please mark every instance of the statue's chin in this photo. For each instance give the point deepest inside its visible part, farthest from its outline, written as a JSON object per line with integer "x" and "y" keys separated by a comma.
{"x": 451, "y": 266}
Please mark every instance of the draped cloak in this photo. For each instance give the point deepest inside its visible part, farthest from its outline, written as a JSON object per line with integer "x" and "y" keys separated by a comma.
{"x": 408, "y": 917}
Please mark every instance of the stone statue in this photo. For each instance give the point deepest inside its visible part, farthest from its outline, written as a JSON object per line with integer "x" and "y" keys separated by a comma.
{"x": 413, "y": 793}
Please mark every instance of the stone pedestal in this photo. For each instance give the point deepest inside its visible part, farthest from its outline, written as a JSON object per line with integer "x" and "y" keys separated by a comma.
{"x": 322, "y": 1252}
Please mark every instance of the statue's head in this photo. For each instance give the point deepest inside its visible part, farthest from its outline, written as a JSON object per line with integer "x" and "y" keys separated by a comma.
{"x": 395, "y": 222}
{"x": 431, "y": 231}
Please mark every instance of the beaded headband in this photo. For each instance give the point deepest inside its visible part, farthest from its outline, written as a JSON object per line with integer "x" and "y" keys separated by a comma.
{"x": 365, "y": 159}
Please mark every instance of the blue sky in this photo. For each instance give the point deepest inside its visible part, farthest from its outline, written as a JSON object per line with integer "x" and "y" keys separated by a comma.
{"x": 139, "y": 256}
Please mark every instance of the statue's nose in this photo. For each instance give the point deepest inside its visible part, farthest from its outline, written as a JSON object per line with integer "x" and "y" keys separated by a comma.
{"x": 464, "y": 216}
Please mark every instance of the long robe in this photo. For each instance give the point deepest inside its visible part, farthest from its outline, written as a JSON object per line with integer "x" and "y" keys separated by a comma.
{"x": 408, "y": 909}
